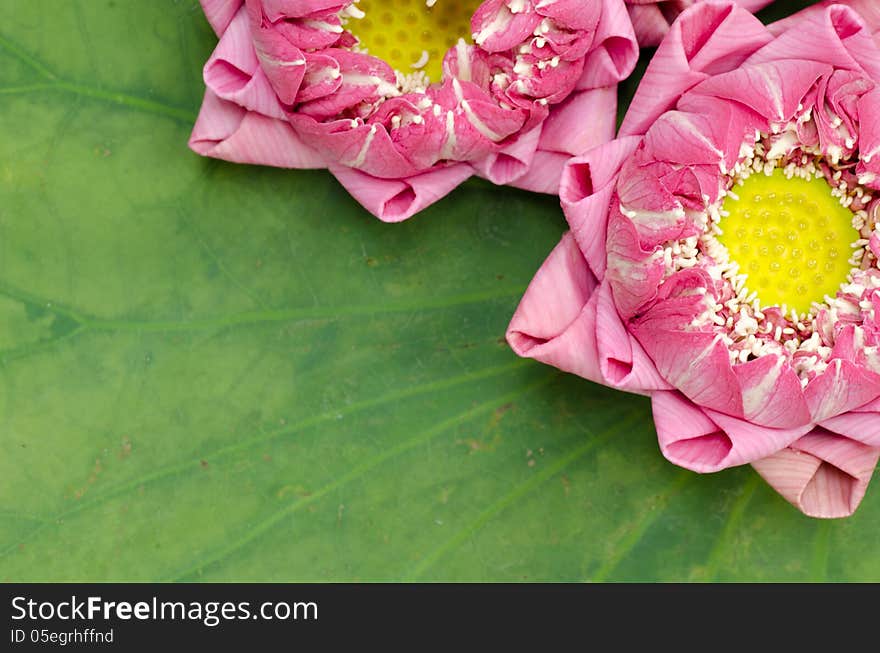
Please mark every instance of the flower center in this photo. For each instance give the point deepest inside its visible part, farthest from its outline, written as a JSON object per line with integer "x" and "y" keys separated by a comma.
{"x": 413, "y": 35}
{"x": 791, "y": 238}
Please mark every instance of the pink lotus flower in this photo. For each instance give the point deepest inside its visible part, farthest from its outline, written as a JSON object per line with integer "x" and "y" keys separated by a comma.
{"x": 651, "y": 18}
{"x": 723, "y": 252}
{"x": 291, "y": 84}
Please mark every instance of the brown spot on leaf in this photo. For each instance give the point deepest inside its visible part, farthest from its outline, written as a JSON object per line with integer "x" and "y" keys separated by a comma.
{"x": 125, "y": 449}
{"x": 204, "y": 464}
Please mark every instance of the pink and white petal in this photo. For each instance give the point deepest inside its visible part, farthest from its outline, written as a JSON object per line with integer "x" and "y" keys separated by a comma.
{"x": 634, "y": 272}
{"x": 395, "y": 200}
{"x": 847, "y": 41}
{"x": 773, "y": 90}
{"x": 587, "y": 185}
{"x": 276, "y": 10}
{"x": 220, "y": 13}
{"x": 842, "y": 387}
{"x": 615, "y": 49}
{"x": 498, "y": 25}
{"x": 857, "y": 425}
{"x": 226, "y": 131}
{"x": 698, "y": 364}
{"x": 684, "y": 139}
{"x": 708, "y": 39}
{"x": 566, "y": 319}
{"x": 771, "y": 393}
{"x": 822, "y": 474}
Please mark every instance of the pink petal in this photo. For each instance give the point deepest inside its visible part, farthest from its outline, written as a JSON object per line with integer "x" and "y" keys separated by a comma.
{"x": 842, "y": 387}
{"x": 823, "y": 474}
{"x": 706, "y": 40}
{"x": 772, "y": 90}
{"x": 543, "y": 174}
{"x": 707, "y": 441}
{"x": 585, "y": 120}
{"x": 226, "y": 131}
{"x": 869, "y": 10}
{"x": 649, "y": 23}
{"x": 771, "y": 393}
{"x": 587, "y": 185}
{"x": 869, "y": 140}
{"x": 564, "y": 133}
{"x": 861, "y": 425}
{"x": 220, "y": 13}
{"x": 847, "y": 42}
{"x": 567, "y": 320}
{"x": 696, "y": 363}
{"x": 615, "y": 50}
{"x": 512, "y": 161}
{"x": 395, "y": 200}
{"x": 233, "y": 71}
{"x": 496, "y": 27}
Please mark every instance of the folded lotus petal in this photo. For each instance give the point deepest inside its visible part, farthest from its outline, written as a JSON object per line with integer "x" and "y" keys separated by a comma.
{"x": 585, "y": 120}
{"x": 708, "y": 39}
{"x": 226, "y": 131}
{"x": 588, "y": 182}
{"x": 512, "y": 161}
{"x": 771, "y": 393}
{"x": 233, "y": 72}
{"x": 707, "y": 441}
{"x": 869, "y": 137}
{"x": 536, "y": 165}
{"x": 567, "y": 320}
{"x": 773, "y": 90}
{"x": 651, "y": 23}
{"x": 847, "y": 41}
{"x": 394, "y": 200}
{"x": 823, "y": 474}
{"x": 497, "y": 27}
{"x": 615, "y": 50}
{"x": 220, "y": 13}
{"x": 634, "y": 271}
{"x": 843, "y": 387}
{"x": 869, "y": 10}
{"x": 862, "y": 425}
{"x": 543, "y": 175}
{"x": 279, "y": 9}
{"x": 707, "y": 359}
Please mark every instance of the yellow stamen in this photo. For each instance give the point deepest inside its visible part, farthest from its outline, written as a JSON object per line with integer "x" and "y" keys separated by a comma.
{"x": 411, "y": 36}
{"x": 791, "y": 237}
